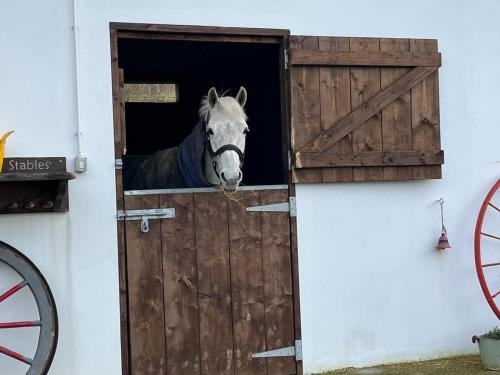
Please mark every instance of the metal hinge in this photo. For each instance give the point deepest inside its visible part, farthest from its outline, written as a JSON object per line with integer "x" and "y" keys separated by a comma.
{"x": 290, "y": 206}
{"x": 289, "y": 160}
{"x": 291, "y": 351}
{"x": 118, "y": 164}
{"x": 145, "y": 215}
{"x": 285, "y": 52}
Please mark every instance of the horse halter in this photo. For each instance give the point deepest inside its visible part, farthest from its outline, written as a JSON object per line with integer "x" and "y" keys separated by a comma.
{"x": 213, "y": 154}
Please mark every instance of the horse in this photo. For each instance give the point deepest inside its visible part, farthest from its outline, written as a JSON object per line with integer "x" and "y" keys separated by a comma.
{"x": 211, "y": 155}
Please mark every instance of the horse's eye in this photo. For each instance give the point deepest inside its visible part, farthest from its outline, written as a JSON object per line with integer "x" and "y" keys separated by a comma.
{"x": 210, "y": 131}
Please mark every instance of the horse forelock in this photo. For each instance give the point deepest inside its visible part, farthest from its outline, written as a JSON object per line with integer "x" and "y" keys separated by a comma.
{"x": 227, "y": 105}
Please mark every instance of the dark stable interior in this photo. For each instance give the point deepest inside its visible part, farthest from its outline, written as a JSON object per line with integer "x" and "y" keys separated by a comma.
{"x": 196, "y": 67}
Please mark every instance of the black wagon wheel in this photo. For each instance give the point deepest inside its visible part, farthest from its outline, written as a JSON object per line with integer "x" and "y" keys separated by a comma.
{"x": 47, "y": 314}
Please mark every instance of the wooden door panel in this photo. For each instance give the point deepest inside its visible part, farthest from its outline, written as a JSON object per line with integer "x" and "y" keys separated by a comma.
{"x": 365, "y": 83}
{"x": 182, "y": 329}
{"x": 305, "y": 110}
{"x": 214, "y": 289}
{"x": 334, "y": 105}
{"x": 396, "y": 117}
{"x": 145, "y": 292}
{"x": 247, "y": 284}
{"x": 210, "y": 287}
{"x": 425, "y": 113}
{"x": 360, "y": 108}
{"x": 278, "y": 282}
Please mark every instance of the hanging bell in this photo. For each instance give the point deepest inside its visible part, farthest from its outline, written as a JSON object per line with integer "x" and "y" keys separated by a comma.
{"x": 443, "y": 242}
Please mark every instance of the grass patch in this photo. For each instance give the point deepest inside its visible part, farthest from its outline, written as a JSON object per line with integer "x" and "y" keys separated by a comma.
{"x": 462, "y": 365}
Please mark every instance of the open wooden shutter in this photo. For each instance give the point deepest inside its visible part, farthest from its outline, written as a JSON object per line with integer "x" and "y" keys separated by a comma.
{"x": 364, "y": 109}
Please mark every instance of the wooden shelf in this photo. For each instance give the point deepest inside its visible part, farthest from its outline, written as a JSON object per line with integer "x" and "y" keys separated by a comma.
{"x": 36, "y": 176}
{"x": 34, "y": 185}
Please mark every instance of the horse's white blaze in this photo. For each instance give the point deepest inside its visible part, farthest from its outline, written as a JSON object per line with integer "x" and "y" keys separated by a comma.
{"x": 227, "y": 126}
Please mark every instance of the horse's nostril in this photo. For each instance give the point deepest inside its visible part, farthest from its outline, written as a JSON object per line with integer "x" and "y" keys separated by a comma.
{"x": 222, "y": 177}
{"x": 240, "y": 176}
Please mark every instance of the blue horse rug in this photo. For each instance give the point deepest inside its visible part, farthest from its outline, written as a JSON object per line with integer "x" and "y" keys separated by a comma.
{"x": 173, "y": 168}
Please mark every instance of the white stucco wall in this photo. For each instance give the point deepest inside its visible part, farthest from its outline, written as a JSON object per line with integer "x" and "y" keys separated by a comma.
{"x": 372, "y": 287}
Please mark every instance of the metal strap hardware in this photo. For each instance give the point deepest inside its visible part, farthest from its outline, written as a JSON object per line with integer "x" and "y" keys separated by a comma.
{"x": 145, "y": 215}
{"x": 118, "y": 164}
{"x": 289, "y": 206}
{"x": 285, "y": 52}
{"x": 290, "y": 351}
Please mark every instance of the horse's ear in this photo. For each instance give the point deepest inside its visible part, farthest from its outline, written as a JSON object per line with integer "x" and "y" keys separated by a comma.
{"x": 241, "y": 98}
{"x": 212, "y": 97}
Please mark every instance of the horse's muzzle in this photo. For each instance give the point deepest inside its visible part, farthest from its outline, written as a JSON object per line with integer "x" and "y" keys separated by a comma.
{"x": 231, "y": 177}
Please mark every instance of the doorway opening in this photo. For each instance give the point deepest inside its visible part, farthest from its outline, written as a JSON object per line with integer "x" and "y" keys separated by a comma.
{"x": 191, "y": 68}
{"x": 211, "y": 248}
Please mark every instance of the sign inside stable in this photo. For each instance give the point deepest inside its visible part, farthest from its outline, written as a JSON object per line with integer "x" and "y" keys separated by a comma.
{"x": 151, "y": 93}
{"x": 34, "y": 165}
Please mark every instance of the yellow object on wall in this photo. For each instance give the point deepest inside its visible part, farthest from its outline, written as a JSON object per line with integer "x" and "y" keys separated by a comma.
{"x": 3, "y": 140}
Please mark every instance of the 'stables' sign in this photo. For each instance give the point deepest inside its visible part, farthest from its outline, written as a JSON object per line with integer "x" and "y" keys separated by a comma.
{"x": 34, "y": 165}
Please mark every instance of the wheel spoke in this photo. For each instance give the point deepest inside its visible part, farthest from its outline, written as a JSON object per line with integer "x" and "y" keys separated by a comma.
{"x": 13, "y": 290}
{"x": 490, "y": 265}
{"x": 495, "y": 207}
{"x": 490, "y": 235}
{"x": 496, "y": 294}
{"x": 34, "y": 323}
{"x": 44, "y": 325}
{"x": 16, "y": 355}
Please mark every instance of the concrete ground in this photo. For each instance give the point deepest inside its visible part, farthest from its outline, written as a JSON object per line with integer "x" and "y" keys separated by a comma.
{"x": 464, "y": 365}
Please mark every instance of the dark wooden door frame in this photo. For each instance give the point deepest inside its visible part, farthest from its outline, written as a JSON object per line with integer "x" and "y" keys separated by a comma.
{"x": 195, "y": 33}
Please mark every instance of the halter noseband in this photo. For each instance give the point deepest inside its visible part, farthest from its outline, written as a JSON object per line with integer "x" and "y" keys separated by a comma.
{"x": 213, "y": 154}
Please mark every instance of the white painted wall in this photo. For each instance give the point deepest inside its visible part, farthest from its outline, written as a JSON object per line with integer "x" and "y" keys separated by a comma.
{"x": 373, "y": 289}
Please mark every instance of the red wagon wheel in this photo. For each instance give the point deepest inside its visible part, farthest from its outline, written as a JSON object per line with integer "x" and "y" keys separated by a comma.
{"x": 32, "y": 279}
{"x": 487, "y": 238}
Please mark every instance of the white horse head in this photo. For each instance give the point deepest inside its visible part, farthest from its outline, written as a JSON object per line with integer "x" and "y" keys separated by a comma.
{"x": 226, "y": 129}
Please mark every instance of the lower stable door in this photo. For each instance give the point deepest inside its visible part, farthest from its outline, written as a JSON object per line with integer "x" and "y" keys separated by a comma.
{"x": 210, "y": 283}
